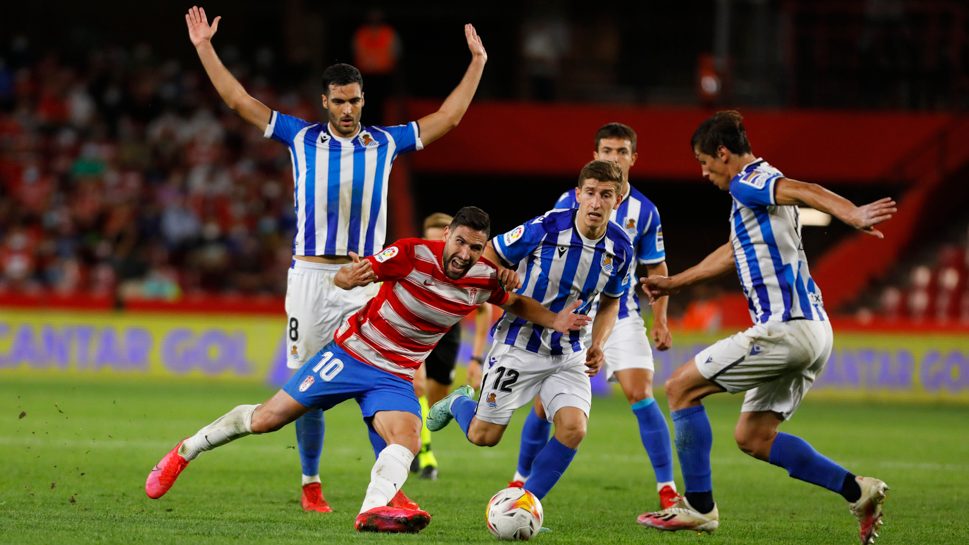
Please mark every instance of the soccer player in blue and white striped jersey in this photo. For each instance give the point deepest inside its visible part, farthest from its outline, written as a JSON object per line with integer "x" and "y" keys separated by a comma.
{"x": 340, "y": 173}
{"x": 776, "y": 361}
{"x": 629, "y": 359}
{"x": 568, "y": 257}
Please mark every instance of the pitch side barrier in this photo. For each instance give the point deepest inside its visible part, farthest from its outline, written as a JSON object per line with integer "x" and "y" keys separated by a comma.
{"x": 219, "y": 340}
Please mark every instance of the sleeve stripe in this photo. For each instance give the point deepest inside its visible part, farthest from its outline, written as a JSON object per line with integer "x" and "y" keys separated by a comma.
{"x": 268, "y": 133}
{"x": 418, "y": 144}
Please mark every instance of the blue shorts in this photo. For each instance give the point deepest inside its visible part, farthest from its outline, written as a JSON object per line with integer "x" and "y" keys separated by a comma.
{"x": 332, "y": 376}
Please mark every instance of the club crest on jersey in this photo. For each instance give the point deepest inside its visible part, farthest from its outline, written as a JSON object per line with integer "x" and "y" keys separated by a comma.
{"x": 294, "y": 351}
{"x": 305, "y": 385}
{"x": 631, "y": 224}
{"x": 388, "y": 253}
{"x": 367, "y": 140}
{"x": 606, "y": 263}
{"x": 473, "y": 294}
{"x": 514, "y": 234}
{"x": 492, "y": 400}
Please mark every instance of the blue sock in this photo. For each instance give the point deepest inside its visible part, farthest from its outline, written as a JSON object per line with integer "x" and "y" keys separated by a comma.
{"x": 309, "y": 441}
{"x": 694, "y": 439}
{"x": 655, "y": 435}
{"x": 802, "y": 462}
{"x": 534, "y": 437}
{"x": 464, "y": 409}
{"x": 376, "y": 441}
{"x": 548, "y": 468}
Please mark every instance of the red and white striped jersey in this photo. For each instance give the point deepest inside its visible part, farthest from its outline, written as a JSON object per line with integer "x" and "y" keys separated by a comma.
{"x": 417, "y": 304}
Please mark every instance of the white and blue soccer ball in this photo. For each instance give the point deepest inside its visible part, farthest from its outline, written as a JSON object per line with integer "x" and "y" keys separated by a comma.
{"x": 514, "y": 513}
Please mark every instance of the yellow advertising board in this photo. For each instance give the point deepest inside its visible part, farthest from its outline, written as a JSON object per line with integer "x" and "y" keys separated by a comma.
{"x": 870, "y": 365}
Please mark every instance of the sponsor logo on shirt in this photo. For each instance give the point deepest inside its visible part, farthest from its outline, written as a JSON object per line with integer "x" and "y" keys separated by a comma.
{"x": 473, "y": 294}
{"x": 562, "y": 250}
{"x": 513, "y": 235}
{"x": 388, "y": 253}
{"x": 756, "y": 349}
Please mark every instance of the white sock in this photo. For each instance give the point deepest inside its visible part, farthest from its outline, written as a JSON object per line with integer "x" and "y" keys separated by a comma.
{"x": 232, "y": 425}
{"x": 387, "y": 476}
{"x": 659, "y": 486}
{"x": 519, "y": 477}
{"x": 307, "y": 479}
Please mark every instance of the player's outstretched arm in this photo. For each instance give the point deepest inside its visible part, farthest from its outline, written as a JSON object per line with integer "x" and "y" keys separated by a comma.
{"x": 229, "y": 88}
{"x": 864, "y": 218}
{"x": 533, "y": 311}
{"x": 718, "y": 263}
{"x": 448, "y": 116}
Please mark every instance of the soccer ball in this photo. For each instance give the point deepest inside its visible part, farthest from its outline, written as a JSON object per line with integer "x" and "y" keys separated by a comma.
{"x": 514, "y": 513}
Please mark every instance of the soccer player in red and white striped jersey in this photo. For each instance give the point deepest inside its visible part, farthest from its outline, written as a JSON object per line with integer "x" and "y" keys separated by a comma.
{"x": 427, "y": 287}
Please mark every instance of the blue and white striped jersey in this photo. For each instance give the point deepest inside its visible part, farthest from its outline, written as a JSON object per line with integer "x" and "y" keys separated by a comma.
{"x": 560, "y": 266}
{"x": 639, "y": 217}
{"x": 767, "y": 249}
{"x": 340, "y": 184}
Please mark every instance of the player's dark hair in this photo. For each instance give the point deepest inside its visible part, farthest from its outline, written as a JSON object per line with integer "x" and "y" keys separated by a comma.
{"x": 473, "y": 218}
{"x": 604, "y": 171}
{"x": 341, "y": 74}
{"x": 616, "y": 130}
{"x": 725, "y": 129}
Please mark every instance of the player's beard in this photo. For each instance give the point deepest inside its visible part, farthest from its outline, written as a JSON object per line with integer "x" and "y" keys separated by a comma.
{"x": 448, "y": 260}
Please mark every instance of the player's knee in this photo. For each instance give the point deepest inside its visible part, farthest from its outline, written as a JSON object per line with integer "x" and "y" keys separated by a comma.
{"x": 754, "y": 442}
{"x": 639, "y": 393}
{"x": 674, "y": 391}
{"x": 482, "y": 438}
{"x": 571, "y": 435}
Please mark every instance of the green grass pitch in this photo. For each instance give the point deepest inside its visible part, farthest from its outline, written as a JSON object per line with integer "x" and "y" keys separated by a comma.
{"x": 75, "y": 454}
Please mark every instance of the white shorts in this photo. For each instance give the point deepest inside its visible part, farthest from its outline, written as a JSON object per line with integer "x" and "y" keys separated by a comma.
{"x": 315, "y": 308}
{"x": 627, "y": 347}
{"x": 513, "y": 377}
{"x": 775, "y": 363}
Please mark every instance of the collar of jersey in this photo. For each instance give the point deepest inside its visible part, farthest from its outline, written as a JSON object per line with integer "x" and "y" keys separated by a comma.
{"x": 575, "y": 224}
{"x": 326, "y": 129}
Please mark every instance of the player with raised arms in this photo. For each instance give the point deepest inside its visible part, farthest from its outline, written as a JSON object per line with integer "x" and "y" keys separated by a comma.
{"x": 567, "y": 255}
{"x": 340, "y": 171}
{"x": 776, "y": 361}
{"x": 428, "y": 286}
{"x": 629, "y": 359}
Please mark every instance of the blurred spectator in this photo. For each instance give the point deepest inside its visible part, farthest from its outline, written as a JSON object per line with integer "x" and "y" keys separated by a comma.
{"x": 546, "y": 41}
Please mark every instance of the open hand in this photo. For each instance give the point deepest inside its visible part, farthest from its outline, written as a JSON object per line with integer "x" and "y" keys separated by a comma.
{"x": 866, "y": 217}
{"x": 565, "y": 321}
{"x": 474, "y": 42}
{"x": 199, "y": 29}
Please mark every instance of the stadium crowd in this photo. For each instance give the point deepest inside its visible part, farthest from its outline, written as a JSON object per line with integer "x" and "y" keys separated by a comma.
{"x": 117, "y": 178}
